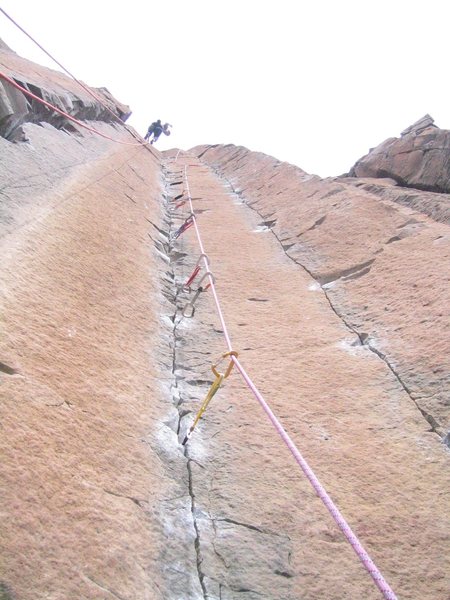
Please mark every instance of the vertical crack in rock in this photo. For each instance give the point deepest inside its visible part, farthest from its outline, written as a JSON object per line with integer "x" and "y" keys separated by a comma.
{"x": 363, "y": 338}
{"x": 435, "y": 427}
{"x": 175, "y": 255}
{"x": 201, "y": 575}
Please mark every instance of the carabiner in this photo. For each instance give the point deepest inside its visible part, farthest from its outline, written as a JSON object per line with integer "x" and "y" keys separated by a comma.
{"x": 230, "y": 366}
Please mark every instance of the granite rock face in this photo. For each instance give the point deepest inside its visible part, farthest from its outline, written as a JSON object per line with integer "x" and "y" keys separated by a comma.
{"x": 420, "y": 158}
{"x": 383, "y": 267}
{"x": 332, "y": 349}
{"x": 95, "y": 495}
{"x": 334, "y": 294}
{"x": 95, "y": 500}
{"x": 13, "y": 109}
{"x": 101, "y": 378}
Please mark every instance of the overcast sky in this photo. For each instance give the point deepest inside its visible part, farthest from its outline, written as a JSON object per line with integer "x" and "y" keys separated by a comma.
{"x": 315, "y": 83}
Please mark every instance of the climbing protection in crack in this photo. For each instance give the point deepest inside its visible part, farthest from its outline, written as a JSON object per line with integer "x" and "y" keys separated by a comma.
{"x": 335, "y": 513}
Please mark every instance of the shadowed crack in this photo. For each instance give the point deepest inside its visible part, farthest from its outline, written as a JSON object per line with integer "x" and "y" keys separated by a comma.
{"x": 4, "y": 368}
{"x": 201, "y": 575}
{"x": 138, "y": 175}
{"x": 435, "y": 427}
{"x": 130, "y": 198}
{"x": 62, "y": 403}
{"x": 314, "y": 225}
{"x": 175, "y": 292}
{"x": 350, "y": 273}
{"x": 249, "y": 526}
{"x": 104, "y": 588}
{"x": 140, "y": 503}
{"x": 284, "y": 573}
{"x": 216, "y": 552}
{"x": 333, "y": 192}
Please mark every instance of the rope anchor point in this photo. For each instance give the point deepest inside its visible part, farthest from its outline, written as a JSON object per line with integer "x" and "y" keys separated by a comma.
{"x": 213, "y": 389}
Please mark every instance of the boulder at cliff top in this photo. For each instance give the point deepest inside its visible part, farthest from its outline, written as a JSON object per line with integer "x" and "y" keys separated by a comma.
{"x": 420, "y": 158}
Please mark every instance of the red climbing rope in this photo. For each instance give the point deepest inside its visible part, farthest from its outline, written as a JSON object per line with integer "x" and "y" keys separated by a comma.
{"x": 64, "y": 114}
{"x": 80, "y": 83}
{"x": 363, "y": 556}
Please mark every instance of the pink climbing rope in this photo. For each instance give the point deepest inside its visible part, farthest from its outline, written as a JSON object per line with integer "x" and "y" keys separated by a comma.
{"x": 14, "y": 83}
{"x": 205, "y": 260}
{"x": 80, "y": 83}
{"x": 320, "y": 491}
{"x": 362, "y": 554}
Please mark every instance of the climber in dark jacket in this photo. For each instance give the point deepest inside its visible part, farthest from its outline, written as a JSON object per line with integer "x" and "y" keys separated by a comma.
{"x": 156, "y": 129}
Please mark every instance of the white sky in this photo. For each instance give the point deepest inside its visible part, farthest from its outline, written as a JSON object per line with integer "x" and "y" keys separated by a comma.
{"x": 315, "y": 83}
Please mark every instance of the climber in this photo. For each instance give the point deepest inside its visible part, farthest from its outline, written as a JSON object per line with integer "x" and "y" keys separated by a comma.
{"x": 156, "y": 129}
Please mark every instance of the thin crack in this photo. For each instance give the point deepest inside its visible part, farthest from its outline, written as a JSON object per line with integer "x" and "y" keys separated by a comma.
{"x": 103, "y": 587}
{"x": 175, "y": 292}
{"x": 136, "y": 501}
{"x": 201, "y": 575}
{"x": 252, "y": 527}
{"x": 216, "y": 552}
{"x": 435, "y": 427}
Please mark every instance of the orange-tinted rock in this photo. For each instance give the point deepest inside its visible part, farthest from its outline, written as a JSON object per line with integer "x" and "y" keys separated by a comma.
{"x": 384, "y": 267}
{"x": 95, "y": 500}
{"x": 420, "y": 158}
{"x": 262, "y": 533}
{"x": 320, "y": 282}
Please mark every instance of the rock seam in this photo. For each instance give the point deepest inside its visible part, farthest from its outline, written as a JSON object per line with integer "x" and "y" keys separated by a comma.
{"x": 176, "y": 290}
{"x": 364, "y": 340}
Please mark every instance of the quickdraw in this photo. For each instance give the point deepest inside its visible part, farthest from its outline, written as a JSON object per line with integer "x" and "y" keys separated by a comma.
{"x": 212, "y": 390}
{"x": 189, "y": 309}
{"x": 196, "y": 270}
{"x": 188, "y": 223}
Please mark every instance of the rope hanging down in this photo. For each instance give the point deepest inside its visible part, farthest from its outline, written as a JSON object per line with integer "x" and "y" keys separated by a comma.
{"x": 363, "y": 556}
{"x": 64, "y": 114}
{"x": 80, "y": 83}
